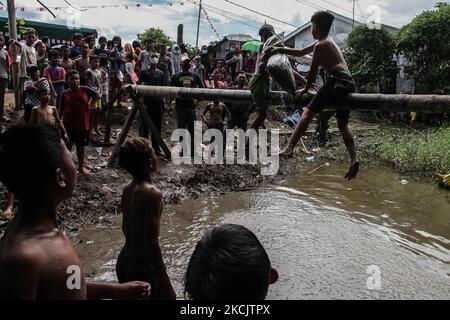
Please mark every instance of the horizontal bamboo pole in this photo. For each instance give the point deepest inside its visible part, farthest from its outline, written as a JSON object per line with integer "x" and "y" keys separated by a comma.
{"x": 355, "y": 101}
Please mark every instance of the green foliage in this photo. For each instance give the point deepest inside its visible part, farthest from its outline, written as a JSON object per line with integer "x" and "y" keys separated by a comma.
{"x": 369, "y": 54}
{"x": 424, "y": 152}
{"x": 21, "y": 26}
{"x": 157, "y": 35}
{"x": 425, "y": 42}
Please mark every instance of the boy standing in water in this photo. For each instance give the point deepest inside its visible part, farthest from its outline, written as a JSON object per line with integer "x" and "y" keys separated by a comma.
{"x": 141, "y": 257}
{"x": 37, "y": 261}
{"x": 339, "y": 83}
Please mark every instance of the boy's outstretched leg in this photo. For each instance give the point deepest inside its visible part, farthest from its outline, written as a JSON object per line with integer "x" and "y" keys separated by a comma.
{"x": 299, "y": 131}
{"x": 350, "y": 145}
{"x": 81, "y": 168}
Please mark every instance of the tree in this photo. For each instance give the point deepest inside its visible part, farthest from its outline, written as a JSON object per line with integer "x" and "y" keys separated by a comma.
{"x": 157, "y": 35}
{"x": 22, "y": 28}
{"x": 425, "y": 42}
{"x": 369, "y": 54}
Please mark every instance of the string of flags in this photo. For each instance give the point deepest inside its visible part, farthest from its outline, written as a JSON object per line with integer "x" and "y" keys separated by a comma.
{"x": 207, "y": 18}
{"x": 125, "y": 6}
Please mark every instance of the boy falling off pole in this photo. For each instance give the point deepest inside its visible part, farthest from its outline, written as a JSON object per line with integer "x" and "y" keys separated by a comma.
{"x": 326, "y": 54}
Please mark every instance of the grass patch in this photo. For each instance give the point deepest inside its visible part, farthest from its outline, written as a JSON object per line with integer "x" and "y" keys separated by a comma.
{"x": 416, "y": 152}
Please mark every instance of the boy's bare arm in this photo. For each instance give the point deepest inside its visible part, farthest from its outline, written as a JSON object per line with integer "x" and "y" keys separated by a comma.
{"x": 314, "y": 68}
{"x": 205, "y": 112}
{"x": 33, "y": 117}
{"x": 292, "y": 51}
{"x": 19, "y": 277}
{"x": 127, "y": 291}
{"x": 152, "y": 220}
{"x": 60, "y": 124}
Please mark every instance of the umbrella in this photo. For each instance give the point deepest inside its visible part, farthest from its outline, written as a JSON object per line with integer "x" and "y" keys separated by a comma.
{"x": 251, "y": 46}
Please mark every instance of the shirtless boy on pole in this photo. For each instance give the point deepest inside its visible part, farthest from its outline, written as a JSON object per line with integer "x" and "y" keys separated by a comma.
{"x": 326, "y": 54}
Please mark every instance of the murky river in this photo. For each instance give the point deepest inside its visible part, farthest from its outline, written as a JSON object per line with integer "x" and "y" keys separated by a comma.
{"x": 321, "y": 232}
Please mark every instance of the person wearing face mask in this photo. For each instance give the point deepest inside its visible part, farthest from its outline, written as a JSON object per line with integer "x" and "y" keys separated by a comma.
{"x": 154, "y": 105}
{"x": 176, "y": 58}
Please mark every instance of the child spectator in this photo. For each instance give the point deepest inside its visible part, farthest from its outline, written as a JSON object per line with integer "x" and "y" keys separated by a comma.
{"x": 104, "y": 67}
{"x": 56, "y": 76}
{"x": 131, "y": 77}
{"x": 75, "y": 116}
{"x": 36, "y": 258}
{"x": 67, "y": 63}
{"x": 220, "y": 76}
{"x": 41, "y": 56}
{"x": 229, "y": 263}
{"x": 141, "y": 258}
{"x": 45, "y": 114}
{"x": 94, "y": 78}
{"x": 82, "y": 64}
{"x": 32, "y": 86}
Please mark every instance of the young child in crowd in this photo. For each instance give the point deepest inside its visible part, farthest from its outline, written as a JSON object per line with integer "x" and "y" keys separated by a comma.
{"x": 56, "y": 75}
{"x": 45, "y": 114}
{"x": 31, "y": 87}
{"x": 75, "y": 116}
{"x": 94, "y": 80}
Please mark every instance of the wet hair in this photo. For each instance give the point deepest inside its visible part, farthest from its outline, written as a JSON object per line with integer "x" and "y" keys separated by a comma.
{"x": 134, "y": 156}
{"x": 77, "y": 36}
{"x": 53, "y": 54}
{"x": 18, "y": 145}
{"x": 229, "y": 262}
{"x": 323, "y": 20}
{"x": 266, "y": 28}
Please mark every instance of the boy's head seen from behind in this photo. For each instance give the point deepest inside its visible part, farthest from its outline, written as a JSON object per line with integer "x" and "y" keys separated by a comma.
{"x": 229, "y": 262}
{"x": 138, "y": 158}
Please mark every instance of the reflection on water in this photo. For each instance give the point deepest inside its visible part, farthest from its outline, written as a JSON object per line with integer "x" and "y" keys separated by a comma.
{"x": 321, "y": 233}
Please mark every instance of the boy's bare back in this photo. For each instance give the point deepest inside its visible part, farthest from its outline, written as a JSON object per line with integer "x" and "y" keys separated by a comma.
{"x": 330, "y": 56}
{"x": 142, "y": 208}
{"x": 34, "y": 263}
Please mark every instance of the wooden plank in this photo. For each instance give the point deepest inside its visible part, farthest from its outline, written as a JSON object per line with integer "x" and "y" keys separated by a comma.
{"x": 123, "y": 134}
{"x": 148, "y": 121}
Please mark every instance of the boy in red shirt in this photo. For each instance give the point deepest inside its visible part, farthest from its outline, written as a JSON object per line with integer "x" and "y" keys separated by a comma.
{"x": 75, "y": 115}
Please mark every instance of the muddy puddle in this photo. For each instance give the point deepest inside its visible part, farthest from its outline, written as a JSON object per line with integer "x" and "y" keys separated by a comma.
{"x": 322, "y": 233}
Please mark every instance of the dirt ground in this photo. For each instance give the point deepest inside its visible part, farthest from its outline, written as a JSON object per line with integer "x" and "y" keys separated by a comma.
{"x": 97, "y": 196}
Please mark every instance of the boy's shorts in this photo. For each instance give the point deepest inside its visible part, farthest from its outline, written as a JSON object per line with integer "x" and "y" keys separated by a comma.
{"x": 337, "y": 86}
{"x": 96, "y": 104}
{"x": 259, "y": 88}
{"x": 105, "y": 101}
{"x": 79, "y": 138}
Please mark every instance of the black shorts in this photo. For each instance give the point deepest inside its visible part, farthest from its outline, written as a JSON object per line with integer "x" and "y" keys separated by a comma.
{"x": 137, "y": 269}
{"x": 336, "y": 87}
{"x": 79, "y": 138}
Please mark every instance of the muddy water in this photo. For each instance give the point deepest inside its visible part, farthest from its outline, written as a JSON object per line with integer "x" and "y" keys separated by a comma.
{"x": 321, "y": 233}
